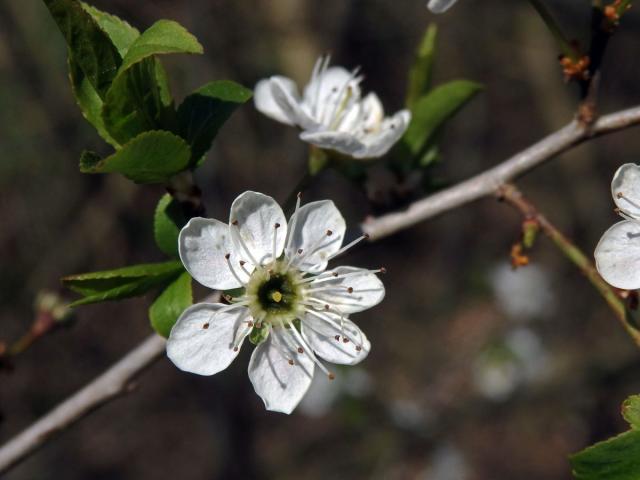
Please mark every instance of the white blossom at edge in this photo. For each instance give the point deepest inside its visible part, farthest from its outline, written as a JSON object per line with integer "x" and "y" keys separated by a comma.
{"x": 296, "y": 307}
{"x": 618, "y": 252}
{"x": 331, "y": 111}
{"x": 440, "y": 6}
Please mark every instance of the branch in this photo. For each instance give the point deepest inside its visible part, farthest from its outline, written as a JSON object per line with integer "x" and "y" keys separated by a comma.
{"x": 511, "y": 195}
{"x": 114, "y": 382}
{"x": 117, "y": 379}
{"x": 488, "y": 182}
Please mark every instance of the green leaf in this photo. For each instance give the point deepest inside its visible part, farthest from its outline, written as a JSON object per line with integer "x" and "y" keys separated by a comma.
{"x": 164, "y": 36}
{"x": 122, "y": 282}
{"x": 88, "y": 44}
{"x": 170, "y": 304}
{"x": 631, "y": 411}
{"x": 617, "y": 458}
{"x": 151, "y": 157}
{"x": 167, "y": 222}
{"x": 88, "y": 100}
{"x": 137, "y": 102}
{"x": 121, "y": 34}
{"x": 202, "y": 113}
{"x": 422, "y": 69}
{"x": 432, "y": 110}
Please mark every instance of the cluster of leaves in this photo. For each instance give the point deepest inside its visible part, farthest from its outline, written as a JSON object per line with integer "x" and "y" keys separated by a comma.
{"x": 617, "y": 458}
{"x": 431, "y": 108}
{"x": 123, "y": 91}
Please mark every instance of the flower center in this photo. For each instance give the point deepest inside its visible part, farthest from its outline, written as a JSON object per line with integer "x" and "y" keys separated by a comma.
{"x": 274, "y": 294}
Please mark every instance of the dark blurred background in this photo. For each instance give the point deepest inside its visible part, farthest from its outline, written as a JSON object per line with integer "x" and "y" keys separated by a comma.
{"x": 476, "y": 372}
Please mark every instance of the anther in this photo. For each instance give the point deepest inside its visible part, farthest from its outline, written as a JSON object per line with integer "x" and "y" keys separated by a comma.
{"x": 332, "y": 376}
{"x": 337, "y": 337}
{"x": 383, "y": 270}
{"x": 277, "y": 225}
{"x": 227, "y": 256}
{"x": 358, "y": 348}
{"x": 335, "y": 274}
{"x": 259, "y": 325}
{"x": 345, "y": 340}
{"x": 250, "y": 324}
{"x": 350, "y": 290}
{"x": 242, "y": 263}
{"x": 329, "y": 233}
{"x": 300, "y": 251}
{"x": 327, "y": 307}
{"x": 235, "y": 349}
{"x": 366, "y": 235}
{"x": 300, "y": 350}
{"x": 205, "y": 326}
{"x": 619, "y": 195}
{"x": 235, "y": 222}
{"x": 291, "y": 362}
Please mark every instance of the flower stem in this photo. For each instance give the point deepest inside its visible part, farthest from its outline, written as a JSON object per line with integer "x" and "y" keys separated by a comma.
{"x": 511, "y": 195}
{"x": 566, "y": 47}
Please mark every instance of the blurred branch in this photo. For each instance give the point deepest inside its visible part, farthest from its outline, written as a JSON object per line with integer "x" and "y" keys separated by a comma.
{"x": 489, "y": 181}
{"x": 511, "y": 195}
{"x": 114, "y": 382}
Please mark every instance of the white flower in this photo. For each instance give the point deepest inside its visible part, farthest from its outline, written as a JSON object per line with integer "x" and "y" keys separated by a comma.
{"x": 440, "y": 6}
{"x": 618, "y": 252}
{"x": 291, "y": 306}
{"x": 331, "y": 112}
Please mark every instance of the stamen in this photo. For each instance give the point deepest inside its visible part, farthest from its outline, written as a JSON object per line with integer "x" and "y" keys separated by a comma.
{"x": 275, "y": 238}
{"x": 276, "y": 343}
{"x": 349, "y": 245}
{"x": 308, "y": 351}
{"x": 317, "y": 246}
{"x": 205, "y": 326}
{"x": 622, "y": 196}
{"x": 233, "y": 271}
{"x": 242, "y": 266}
{"x": 290, "y": 231}
{"x": 236, "y": 231}
{"x": 346, "y": 336}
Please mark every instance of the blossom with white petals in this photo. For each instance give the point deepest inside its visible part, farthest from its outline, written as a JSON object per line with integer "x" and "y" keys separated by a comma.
{"x": 440, "y": 6}
{"x": 331, "y": 112}
{"x": 292, "y": 307}
{"x": 618, "y": 252}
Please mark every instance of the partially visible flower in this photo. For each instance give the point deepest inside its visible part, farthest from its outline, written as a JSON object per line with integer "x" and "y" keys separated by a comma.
{"x": 524, "y": 294}
{"x": 618, "y": 252}
{"x": 291, "y": 306}
{"x": 331, "y": 112}
{"x": 440, "y": 6}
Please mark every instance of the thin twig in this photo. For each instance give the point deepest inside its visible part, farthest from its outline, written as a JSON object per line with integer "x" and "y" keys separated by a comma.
{"x": 111, "y": 384}
{"x": 511, "y": 195}
{"x": 115, "y": 380}
{"x": 488, "y": 182}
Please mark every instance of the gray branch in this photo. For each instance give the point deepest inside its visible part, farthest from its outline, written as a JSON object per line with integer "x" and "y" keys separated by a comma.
{"x": 487, "y": 182}
{"x": 117, "y": 380}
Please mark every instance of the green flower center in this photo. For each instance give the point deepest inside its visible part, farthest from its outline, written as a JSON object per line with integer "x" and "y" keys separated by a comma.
{"x": 274, "y": 295}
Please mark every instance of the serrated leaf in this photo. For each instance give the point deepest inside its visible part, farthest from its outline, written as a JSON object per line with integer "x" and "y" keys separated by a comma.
{"x": 422, "y": 69}
{"x": 151, "y": 157}
{"x": 170, "y": 304}
{"x": 432, "y": 110}
{"x": 615, "y": 459}
{"x": 167, "y": 223}
{"x": 121, "y": 34}
{"x": 137, "y": 102}
{"x": 202, "y": 113}
{"x": 164, "y": 36}
{"x": 88, "y": 44}
{"x": 122, "y": 282}
{"x": 631, "y": 411}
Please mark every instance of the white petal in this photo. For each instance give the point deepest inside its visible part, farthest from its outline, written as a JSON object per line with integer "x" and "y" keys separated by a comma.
{"x": 373, "y": 112}
{"x": 343, "y": 142}
{"x": 618, "y": 255}
{"x": 257, "y": 214}
{"x": 312, "y": 221}
{"x": 202, "y": 245}
{"x": 327, "y": 91}
{"x": 440, "y": 6}
{"x": 285, "y": 94}
{"x": 280, "y": 385}
{"x": 368, "y": 290}
{"x": 326, "y": 337}
{"x": 206, "y": 351}
{"x": 265, "y": 103}
{"x": 626, "y": 181}
{"x": 379, "y": 143}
